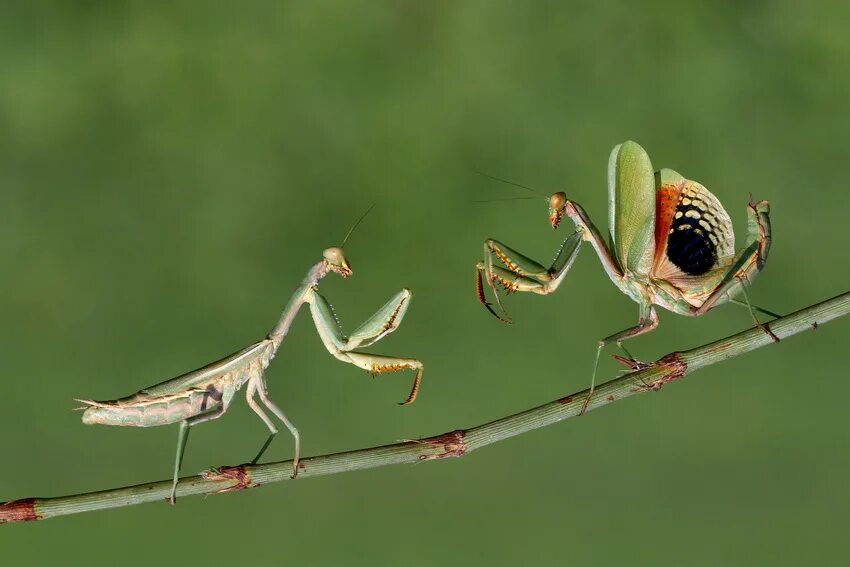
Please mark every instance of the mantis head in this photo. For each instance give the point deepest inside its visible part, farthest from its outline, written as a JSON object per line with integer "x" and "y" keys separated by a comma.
{"x": 336, "y": 262}
{"x": 335, "y": 258}
{"x": 557, "y": 208}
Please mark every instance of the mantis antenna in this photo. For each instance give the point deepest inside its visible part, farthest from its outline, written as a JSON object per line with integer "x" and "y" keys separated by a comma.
{"x": 505, "y": 199}
{"x": 356, "y": 224}
{"x": 508, "y": 182}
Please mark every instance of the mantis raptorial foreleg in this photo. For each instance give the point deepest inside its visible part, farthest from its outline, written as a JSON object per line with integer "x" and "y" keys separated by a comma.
{"x": 384, "y": 321}
{"x": 521, "y": 273}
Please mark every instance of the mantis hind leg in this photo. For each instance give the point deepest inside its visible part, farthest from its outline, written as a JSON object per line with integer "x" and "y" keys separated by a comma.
{"x": 758, "y": 323}
{"x": 648, "y": 322}
{"x": 261, "y": 390}
{"x": 757, "y": 308}
{"x": 745, "y": 266}
{"x": 183, "y": 437}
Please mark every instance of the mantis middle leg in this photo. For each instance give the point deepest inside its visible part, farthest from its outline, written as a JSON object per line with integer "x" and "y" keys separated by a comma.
{"x": 384, "y": 321}
{"x": 648, "y": 322}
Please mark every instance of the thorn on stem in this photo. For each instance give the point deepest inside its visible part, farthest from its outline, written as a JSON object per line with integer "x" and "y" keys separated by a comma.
{"x": 239, "y": 474}
{"x": 451, "y": 444}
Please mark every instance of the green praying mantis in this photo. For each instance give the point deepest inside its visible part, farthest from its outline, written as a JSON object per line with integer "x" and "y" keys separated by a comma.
{"x": 671, "y": 245}
{"x": 205, "y": 394}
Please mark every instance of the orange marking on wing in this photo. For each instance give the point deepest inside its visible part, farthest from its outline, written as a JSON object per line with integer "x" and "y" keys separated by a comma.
{"x": 666, "y": 200}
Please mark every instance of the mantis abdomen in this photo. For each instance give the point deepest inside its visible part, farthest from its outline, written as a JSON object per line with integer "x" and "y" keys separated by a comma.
{"x": 142, "y": 410}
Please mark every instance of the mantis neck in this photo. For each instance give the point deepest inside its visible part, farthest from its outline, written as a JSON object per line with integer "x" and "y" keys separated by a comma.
{"x": 298, "y": 298}
{"x": 592, "y": 235}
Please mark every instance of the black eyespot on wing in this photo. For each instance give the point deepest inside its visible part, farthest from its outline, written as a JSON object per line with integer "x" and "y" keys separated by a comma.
{"x": 689, "y": 244}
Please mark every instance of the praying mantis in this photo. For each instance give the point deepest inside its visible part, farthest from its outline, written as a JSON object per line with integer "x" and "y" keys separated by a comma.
{"x": 671, "y": 245}
{"x": 205, "y": 394}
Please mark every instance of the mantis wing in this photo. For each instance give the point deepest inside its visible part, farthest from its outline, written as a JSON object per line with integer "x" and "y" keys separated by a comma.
{"x": 631, "y": 207}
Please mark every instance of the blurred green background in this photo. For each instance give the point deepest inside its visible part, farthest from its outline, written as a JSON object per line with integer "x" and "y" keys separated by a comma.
{"x": 168, "y": 174}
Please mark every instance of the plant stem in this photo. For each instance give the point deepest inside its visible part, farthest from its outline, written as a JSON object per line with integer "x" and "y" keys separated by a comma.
{"x": 453, "y": 444}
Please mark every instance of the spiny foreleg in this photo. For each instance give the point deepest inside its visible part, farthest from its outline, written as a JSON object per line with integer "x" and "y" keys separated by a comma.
{"x": 521, "y": 273}
{"x": 383, "y": 322}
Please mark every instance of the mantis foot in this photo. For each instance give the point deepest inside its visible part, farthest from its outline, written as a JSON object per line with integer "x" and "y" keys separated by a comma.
{"x": 584, "y": 406}
{"x": 631, "y": 363}
{"x": 768, "y": 332}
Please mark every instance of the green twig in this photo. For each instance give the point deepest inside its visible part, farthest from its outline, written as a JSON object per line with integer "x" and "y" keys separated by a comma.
{"x": 454, "y": 444}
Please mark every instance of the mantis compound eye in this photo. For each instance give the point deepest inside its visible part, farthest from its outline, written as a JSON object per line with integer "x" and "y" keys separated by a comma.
{"x": 557, "y": 206}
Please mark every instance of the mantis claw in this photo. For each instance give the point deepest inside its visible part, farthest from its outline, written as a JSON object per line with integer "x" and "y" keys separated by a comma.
{"x": 414, "y": 390}
{"x": 482, "y": 299}
{"x": 504, "y": 319}
{"x": 584, "y": 406}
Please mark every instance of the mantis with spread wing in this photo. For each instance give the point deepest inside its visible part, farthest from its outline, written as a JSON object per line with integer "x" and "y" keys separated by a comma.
{"x": 671, "y": 245}
{"x": 205, "y": 394}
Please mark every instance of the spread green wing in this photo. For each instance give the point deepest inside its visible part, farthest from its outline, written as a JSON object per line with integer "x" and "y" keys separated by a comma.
{"x": 631, "y": 207}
